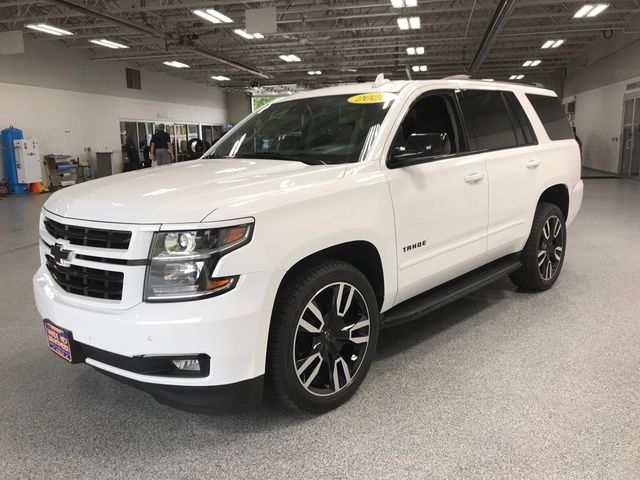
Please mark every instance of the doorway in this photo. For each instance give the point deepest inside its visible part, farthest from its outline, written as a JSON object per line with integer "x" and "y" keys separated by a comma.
{"x": 630, "y": 145}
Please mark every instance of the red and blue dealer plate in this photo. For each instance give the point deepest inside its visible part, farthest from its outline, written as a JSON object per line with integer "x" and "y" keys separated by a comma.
{"x": 59, "y": 340}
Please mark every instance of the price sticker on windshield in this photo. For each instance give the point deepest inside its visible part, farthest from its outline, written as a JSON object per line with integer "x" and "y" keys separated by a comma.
{"x": 374, "y": 97}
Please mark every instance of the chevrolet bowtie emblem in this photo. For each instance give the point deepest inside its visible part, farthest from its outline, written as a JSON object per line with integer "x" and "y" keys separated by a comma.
{"x": 59, "y": 254}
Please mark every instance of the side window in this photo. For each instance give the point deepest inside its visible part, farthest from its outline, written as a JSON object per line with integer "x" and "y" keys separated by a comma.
{"x": 552, "y": 116}
{"x": 429, "y": 128}
{"x": 524, "y": 131}
{"x": 487, "y": 119}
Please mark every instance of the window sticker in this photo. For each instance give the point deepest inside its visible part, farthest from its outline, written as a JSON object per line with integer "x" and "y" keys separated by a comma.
{"x": 374, "y": 97}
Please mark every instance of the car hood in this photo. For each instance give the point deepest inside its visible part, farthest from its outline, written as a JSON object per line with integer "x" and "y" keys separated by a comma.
{"x": 186, "y": 192}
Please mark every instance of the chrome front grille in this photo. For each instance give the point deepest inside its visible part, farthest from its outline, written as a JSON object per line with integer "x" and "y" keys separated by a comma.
{"x": 89, "y": 282}
{"x": 88, "y": 237}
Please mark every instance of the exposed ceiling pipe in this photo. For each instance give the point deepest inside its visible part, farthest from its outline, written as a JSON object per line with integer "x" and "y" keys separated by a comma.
{"x": 139, "y": 27}
{"x": 497, "y": 22}
{"x": 226, "y": 61}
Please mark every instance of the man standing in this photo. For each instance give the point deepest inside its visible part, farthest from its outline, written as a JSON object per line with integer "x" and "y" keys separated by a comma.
{"x": 160, "y": 147}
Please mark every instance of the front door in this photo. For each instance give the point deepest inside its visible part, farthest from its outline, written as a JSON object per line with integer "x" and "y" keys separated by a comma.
{"x": 440, "y": 204}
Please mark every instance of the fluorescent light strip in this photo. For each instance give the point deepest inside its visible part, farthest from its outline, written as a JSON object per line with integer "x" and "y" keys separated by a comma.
{"x": 43, "y": 27}
{"x": 583, "y": 11}
{"x": 519, "y": 77}
{"x": 557, "y": 44}
{"x": 527, "y": 63}
{"x": 535, "y": 63}
{"x": 411, "y": 51}
{"x": 314, "y": 72}
{"x": 548, "y": 44}
{"x": 290, "y": 58}
{"x": 420, "y": 51}
{"x": 206, "y": 16}
{"x": 419, "y": 68}
{"x": 108, "y": 44}
{"x": 599, "y": 8}
{"x": 591, "y": 10}
{"x": 403, "y": 23}
{"x": 212, "y": 16}
{"x": 404, "y": 3}
{"x": 243, "y": 34}
{"x": 248, "y": 36}
{"x": 175, "y": 64}
{"x": 220, "y": 78}
{"x": 216, "y": 14}
{"x": 414, "y": 23}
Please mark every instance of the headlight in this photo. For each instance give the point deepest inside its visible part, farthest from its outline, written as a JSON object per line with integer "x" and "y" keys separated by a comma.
{"x": 182, "y": 262}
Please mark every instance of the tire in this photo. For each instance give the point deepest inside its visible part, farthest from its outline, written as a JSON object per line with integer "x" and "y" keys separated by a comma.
{"x": 316, "y": 364}
{"x": 195, "y": 148}
{"x": 543, "y": 254}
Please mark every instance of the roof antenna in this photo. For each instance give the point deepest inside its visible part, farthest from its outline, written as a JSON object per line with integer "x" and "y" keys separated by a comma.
{"x": 380, "y": 80}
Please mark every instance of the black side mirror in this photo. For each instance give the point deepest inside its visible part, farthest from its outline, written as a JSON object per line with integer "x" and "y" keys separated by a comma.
{"x": 420, "y": 147}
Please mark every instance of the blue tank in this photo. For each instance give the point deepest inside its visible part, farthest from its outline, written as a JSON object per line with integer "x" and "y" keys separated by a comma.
{"x": 7, "y": 136}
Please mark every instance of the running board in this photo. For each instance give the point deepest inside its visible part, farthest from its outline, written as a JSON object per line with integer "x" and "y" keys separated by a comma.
{"x": 441, "y": 295}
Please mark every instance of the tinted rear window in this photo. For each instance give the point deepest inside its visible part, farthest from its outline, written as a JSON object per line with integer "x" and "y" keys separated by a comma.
{"x": 552, "y": 116}
{"x": 524, "y": 131}
{"x": 487, "y": 119}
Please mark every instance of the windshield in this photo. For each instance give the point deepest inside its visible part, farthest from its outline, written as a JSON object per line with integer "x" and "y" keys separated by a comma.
{"x": 318, "y": 130}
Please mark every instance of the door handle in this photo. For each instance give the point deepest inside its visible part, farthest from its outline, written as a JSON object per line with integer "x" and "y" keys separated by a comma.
{"x": 474, "y": 177}
{"x": 533, "y": 163}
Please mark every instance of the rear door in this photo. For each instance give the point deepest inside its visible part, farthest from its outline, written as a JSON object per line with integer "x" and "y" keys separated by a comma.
{"x": 497, "y": 124}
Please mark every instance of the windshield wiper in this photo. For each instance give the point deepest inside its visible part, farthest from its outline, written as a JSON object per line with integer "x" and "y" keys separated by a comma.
{"x": 279, "y": 156}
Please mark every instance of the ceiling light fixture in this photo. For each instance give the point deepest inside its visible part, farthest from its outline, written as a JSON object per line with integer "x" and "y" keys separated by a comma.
{"x": 404, "y": 3}
{"x": 43, "y": 27}
{"x": 175, "y": 64}
{"x": 108, "y": 43}
{"x": 212, "y": 16}
{"x": 516, "y": 77}
{"x": 220, "y": 78}
{"x": 314, "y": 72}
{"x": 532, "y": 63}
{"x": 415, "y": 50}
{"x": 552, "y": 43}
{"x": 248, "y": 36}
{"x": 419, "y": 68}
{"x": 406, "y": 23}
{"x": 527, "y": 63}
{"x": 591, "y": 10}
{"x": 290, "y": 58}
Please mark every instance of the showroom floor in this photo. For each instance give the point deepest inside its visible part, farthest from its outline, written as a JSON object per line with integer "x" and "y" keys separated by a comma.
{"x": 501, "y": 384}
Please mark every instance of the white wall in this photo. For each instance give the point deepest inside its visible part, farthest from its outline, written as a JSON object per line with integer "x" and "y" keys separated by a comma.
{"x": 598, "y": 90}
{"x": 70, "y": 103}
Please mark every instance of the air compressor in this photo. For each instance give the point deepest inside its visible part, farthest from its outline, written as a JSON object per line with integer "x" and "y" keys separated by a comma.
{"x": 21, "y": 160}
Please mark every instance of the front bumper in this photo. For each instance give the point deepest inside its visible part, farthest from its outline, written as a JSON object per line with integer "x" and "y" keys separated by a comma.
{"x": 232, "y": 329}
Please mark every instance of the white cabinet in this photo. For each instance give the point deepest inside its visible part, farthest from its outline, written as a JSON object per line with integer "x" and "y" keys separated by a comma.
{"x": 27, "y": 160}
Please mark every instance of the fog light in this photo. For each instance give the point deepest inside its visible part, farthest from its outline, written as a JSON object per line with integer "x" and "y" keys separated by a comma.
{"x": 190, "y": 365}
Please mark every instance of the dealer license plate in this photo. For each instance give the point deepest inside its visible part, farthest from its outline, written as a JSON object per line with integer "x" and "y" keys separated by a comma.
{"x": 59, "y": 340}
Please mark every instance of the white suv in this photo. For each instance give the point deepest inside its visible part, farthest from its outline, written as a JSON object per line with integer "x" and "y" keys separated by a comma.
{"x": 317, "y": 221}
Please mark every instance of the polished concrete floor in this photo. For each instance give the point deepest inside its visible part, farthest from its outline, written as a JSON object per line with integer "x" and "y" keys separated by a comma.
{"x": 501, "y": 384}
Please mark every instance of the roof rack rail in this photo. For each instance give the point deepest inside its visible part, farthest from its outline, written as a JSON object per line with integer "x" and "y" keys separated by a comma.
{"x": 458, "y": 77}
